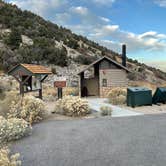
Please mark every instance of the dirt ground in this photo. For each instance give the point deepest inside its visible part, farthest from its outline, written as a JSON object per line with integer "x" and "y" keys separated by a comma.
{"x": 154, "y": 109}
{"x": 50, "y": 106}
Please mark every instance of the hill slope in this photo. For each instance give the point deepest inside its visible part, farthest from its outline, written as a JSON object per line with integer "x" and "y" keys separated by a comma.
{"x": 28, "y": 38}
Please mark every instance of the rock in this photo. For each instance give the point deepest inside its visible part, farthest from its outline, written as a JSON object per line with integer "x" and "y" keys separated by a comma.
{"x": 70, "y": 72}
{"x": 26, "y": 40}
{"x": 5, "y": 31}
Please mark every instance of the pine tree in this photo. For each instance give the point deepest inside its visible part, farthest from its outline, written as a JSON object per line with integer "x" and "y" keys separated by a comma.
{"x": 14, "y": 39}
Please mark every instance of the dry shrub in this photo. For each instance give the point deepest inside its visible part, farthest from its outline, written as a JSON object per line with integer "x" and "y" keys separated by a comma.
{"x": 70, "y": 91}
{"x": 106, "y": 111}
{"x": 7, "y": 160}
{"x": 5, "y": 104}
{"x": 13, "y": 129}
{"x": 29, "y": 108}
{"x": 72, "y": 106}
{"x": 117, "y": 96}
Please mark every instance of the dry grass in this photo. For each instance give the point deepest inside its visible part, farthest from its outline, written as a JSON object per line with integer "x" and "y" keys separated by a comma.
{"x": 74, "y": 91}
{"x": 50, "y": 92}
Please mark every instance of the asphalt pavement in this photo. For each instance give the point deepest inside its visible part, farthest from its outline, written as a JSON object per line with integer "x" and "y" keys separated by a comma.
{"x": 122, "y": 141}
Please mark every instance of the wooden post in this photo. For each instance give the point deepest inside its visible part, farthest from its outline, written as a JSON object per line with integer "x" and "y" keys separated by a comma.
{"x": 21, "y": 89}
{"x": 40, "y": 94}
{"x": 60, "y": 93}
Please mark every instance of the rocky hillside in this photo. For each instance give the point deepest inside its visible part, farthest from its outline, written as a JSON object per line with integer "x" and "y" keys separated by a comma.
{"x": 28, "y": 38}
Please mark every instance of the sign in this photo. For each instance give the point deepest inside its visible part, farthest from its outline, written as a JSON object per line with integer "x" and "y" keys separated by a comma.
{"x": 60, "y": 82}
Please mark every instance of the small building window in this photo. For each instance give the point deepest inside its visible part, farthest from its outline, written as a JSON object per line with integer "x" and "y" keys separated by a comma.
{"x": 104, "y": 83}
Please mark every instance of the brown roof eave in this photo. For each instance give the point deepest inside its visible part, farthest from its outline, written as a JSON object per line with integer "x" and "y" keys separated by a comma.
{"x": 86, "y": 68}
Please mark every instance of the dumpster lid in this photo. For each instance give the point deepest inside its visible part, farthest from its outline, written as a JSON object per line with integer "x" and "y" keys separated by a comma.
{"x": 162, "y": 89}
{"x": 135, "y": 89}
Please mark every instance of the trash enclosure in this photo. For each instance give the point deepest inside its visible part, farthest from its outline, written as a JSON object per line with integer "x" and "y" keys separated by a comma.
{"x": 160, "y": 95}
{"x": 30, "y": 77}
{"x": 139, "y": 96}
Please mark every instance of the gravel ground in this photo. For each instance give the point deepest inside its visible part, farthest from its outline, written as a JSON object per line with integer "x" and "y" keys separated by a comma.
{"x": 127, "y": 141}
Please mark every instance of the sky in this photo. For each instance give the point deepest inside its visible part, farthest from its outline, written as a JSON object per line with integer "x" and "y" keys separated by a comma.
{"x": 140, "y": 24}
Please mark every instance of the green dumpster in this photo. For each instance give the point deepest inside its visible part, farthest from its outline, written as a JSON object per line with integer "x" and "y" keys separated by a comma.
{"x": 139, "y": 96}
{"x": 160, "y": 95}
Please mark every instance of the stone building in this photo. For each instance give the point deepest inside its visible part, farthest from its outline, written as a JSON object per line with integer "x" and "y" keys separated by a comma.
{"x": 101, "y": 76}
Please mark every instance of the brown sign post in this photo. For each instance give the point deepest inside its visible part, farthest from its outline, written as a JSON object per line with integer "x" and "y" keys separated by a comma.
{"x": 60, "y": 83}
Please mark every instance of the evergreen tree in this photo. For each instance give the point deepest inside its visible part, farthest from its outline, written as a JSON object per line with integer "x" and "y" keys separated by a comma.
{"x": 14, "y": 39}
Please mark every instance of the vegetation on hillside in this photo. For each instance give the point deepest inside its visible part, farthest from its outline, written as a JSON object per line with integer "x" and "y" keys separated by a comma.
{"x": 44, "y": 35}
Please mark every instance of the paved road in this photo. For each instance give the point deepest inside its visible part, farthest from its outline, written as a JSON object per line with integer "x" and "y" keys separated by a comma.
{"x": 127, "y": 141}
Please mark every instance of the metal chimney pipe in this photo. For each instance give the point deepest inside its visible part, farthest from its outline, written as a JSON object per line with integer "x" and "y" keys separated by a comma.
{"x": 124, "y": 55}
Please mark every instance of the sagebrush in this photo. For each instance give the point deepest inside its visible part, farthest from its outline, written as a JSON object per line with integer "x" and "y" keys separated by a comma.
{"x": 29, "y": 108}
{"x": 106, "y": 111}
{"x": 13, "y": 129}
{"x": 5, "y": 104}
{"x": 72, "y": 106}
{"x": 117, "y": 96}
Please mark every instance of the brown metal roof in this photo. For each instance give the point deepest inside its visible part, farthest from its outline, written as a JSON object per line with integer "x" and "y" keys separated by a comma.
{"x": 105, "y": 57}
{"x": 36, "y": 69}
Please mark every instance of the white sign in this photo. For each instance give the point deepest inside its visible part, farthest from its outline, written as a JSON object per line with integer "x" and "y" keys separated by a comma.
{"x": 60, "y": 78}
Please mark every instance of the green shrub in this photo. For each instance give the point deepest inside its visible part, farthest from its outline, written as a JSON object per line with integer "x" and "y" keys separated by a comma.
{"x": 13, "y": 129}
{"x": 14, "y": 39}
{"x": 28, "y": 108}
{"x": 85, "y": 59}
{"x": 117, "y": 96}
{"x": 53, "y": 70}
{"x": 9, "y": 160}
{"x": 106, "y": 111}
{"x": 72, "y": 106}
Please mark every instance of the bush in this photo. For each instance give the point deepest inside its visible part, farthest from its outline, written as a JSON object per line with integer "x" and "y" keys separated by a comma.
{"x": 29, "y": 108}
{"x": 72, "y": 106}
{"x": 7, "y": 160}
{"x": 117, "y": 96}
{"x": 10, "y": 97}
{"x": 85, "y": 59}
{"x": 13, "y": 129}
{"x": 53, "y": 70}
{"x": 14, "y": 39}
{"x": 106, "y": 111}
